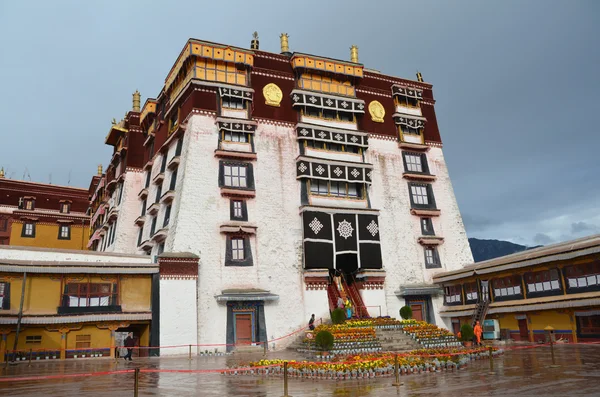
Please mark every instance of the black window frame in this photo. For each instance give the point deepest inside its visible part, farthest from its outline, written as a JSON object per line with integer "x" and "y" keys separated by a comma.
{"x": 26, "y": 201}
{"x": 153, "y": 226}
{"x": 237, "y": 134}
{"x": 173, "y": 181}
{"x": 249, "y": 174}
{"x": 179, "y": 147}
{"x": 437, "y": 263}
{"x": 67, "y": 206}
{"x": 120, "y": 196}
{"x": 163, "y": 164}
{"x": 244, "y": 210}
{"x": 24, "y": 229}
{"x": 424, "y": 163}
{"x": 227, "y": 101}
{"x": 167, "y": 215}
{"x": 229, "y": 261}
{"x": 148, "y": 177}
{"x": 144, "y": 204}
{"x": 158, "y": 193}
{"x": 361, "y": 188}
{"x": 430, "y": 197}
{"x": 140, "y": 234}
{"x": 427, "y": 226}
{"x": 60, "y": 236}
{"x": 3, "y": 224}
{"x": 450, "y": 291}
{"x": 5, "y": 304}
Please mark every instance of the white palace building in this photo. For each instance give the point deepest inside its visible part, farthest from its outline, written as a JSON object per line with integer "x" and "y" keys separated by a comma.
{"x": 255, "y": 178}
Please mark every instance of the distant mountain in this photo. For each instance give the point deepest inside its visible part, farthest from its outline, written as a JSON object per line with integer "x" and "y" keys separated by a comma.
{"x": 489, "y": 249}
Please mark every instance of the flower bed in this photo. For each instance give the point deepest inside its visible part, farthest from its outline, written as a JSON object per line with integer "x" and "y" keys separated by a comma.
{"x": 429, "y": 335}
{"x": 368, "y": 365}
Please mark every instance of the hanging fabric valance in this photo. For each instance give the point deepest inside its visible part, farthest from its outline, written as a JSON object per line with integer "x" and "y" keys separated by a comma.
{"x": 332, "y": 170}
{"x": 308, "y": 98}
{"x": 407, "y": 92}
{"x": 322, "y": 134}
{"x": 235, "y": 93}
{"x": 410, "y": 121}
{"x": 236, "y": 125}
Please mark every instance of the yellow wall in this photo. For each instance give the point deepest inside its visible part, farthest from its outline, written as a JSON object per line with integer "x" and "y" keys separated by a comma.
{"x": 100, "y": 337}
{"x": 136, "y": 293}
{"x": 47, "y": 236}
{"x": 50, "y": 340}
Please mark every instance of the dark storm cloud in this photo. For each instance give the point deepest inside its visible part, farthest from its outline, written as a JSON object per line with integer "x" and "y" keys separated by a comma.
{"x": 578, "y": 227}
{"x": 516, "y": 85}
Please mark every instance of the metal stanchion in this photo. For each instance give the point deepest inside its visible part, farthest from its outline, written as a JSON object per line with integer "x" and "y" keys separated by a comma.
{"x": 285, "y": 379}
{"x": 266, "y": 348}
{"x": 136, "y": 382}
{"x": 550, "y": 334}
{"x": 396, "y": 372}
{"x": 30, "y": 354}
{"x": 190, "y": 353}
{"x": 491, "y": 361}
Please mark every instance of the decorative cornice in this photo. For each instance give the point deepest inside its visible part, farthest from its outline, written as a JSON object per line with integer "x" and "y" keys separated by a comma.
{"x": 274, "y": 74}
{"x": 275, "y": 122}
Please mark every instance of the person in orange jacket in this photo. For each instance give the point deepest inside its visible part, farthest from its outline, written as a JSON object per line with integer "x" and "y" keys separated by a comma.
{"x": 478, "y": 331}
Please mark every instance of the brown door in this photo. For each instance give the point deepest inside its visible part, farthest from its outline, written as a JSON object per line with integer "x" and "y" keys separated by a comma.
{"x": 456, "y": 328}
{"x": 417, "y": 311}
{"x": 243, "y": 329}
{"x": 523, "y": 332}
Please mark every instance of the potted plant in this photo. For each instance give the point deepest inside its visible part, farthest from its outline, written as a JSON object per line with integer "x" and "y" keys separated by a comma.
{"x": 466, "y": 335}
{"x": 406, "y": 312}
{"x": 338, "y": 316}
{"x": 324, "y": 340}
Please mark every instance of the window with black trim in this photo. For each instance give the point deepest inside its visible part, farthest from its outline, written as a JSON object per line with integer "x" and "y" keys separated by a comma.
{"x": 235, "y": 136}
{"x": 140, "y": 234}
{"x": 421, "y": 195}
{"x": 332, "y": 146}
{"x": 144, "y": 207}
{"x": 173, "y": 121}
{"x": 90, "y": 295}
{"x": 28, "y": 229}
{"x": 406, "y": 130}
{"x": 584, "y": 277}
{"x": 406, "y": 101}
{"x": 147, "y": 185}
{"x": 160, "y": 249}
{"x": 167, "y": 217}
{"x": 29, "y": 204}
{"x": 120, "y": 194}
{"x": 453, "y": 294}
{"x": 153, "y": 227}
{"x": 65, "y": 208}
{"x": 64, "y": 232}
{"x": 158, "y": 193}
{"x": 329, "y": 114}
{"x": 432, "y": 258}
{"x": 33, "y": 339}
{"x": 544, "y": 281}
{"x": 163, "y": 164}
{"x": 231, "y": 102}
{"x": 238, "y": 210}
{"x": 427, "y": 227}
{"x": 179, "y": 147}
{"x": 236, "y": 175}
{"x": 173, "y": 179}
{"x": 322, "y": 187}
{"x": 238, "y": 251}
{"x": 415, "y": 162}
{"x": 3, "y": 224}
{"x": 151, "y": 150}
{"x": 113, "y": 233}
{"x": 5, "y": 296}
{"x": 508, "y": 287}
{"x": 471, "y": 292}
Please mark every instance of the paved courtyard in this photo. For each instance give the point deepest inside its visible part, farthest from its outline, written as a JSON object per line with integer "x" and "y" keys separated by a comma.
{"x": 518, "y": 373}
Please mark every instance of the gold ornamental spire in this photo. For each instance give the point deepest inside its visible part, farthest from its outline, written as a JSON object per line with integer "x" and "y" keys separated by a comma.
{"x": 354, "y": 54}
{"x": 285, "y": 46}
{"x": 254, "y": 43}
{"x": 99, "y": 169}
{"x": 2, "y": 172}
{"x": 419, "y": 77}
{"x": 136, "y": 101}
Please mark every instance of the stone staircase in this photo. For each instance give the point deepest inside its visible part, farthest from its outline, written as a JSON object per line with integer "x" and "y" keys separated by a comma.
{"x": 395, "y": 340}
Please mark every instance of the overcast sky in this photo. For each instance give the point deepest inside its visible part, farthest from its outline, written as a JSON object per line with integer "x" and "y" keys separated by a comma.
{"x": 517, "y": 85}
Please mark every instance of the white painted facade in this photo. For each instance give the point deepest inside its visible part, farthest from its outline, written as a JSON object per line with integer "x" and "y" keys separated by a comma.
{"x": 178, "y": 315}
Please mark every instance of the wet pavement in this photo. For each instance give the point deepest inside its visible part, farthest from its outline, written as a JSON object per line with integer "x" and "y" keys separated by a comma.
{"x": 523, "y": 372}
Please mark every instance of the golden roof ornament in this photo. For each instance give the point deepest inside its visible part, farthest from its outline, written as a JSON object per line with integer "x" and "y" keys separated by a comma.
{"x": 114, "y": 121}
{"x": 354, "y": 54}
{"x": 2, "y": 172}
{"x": 285, "y": 46}
{"x": 136, "y": 101}
{"x": 419, "y": 77}
{"x": 99, "y": 169}
{"x": 254, "y": 42}
{"x": 273, "y": 95}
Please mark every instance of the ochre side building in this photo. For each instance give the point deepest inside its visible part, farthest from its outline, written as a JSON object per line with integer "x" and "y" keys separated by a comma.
{"x": 75, "y": 304}
{"x": 557, "y": 286}
{"x": 41, "y": 215}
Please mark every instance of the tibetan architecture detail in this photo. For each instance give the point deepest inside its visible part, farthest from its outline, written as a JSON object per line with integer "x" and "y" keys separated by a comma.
{"x": 377, "y": 111}
{"x": 272, "y": 94}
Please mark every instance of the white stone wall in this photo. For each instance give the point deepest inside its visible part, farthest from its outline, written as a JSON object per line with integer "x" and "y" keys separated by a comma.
{"x": 42, "y": 255}
{"x": 129, "y": 210}
{"x": 178, "y": 316}
{"x": 375, "y": 300}
{"x": 199, "y": 209}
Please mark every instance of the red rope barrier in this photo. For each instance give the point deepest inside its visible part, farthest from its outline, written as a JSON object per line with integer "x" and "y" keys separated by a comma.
{"x": 64, "y": 376}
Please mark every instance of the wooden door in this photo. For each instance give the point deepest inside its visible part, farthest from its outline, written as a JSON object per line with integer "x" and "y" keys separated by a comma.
{"x": 523, "y": 331}
{"x": 455, "y": 327}
{"x": 243, "y": 329}
{"x": 417, "y": 311}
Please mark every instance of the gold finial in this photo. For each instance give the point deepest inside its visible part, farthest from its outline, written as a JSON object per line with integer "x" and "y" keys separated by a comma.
{"x": 99, "y": 169}
{"x": 354, "y": 54}
{"x": 2, "y": 172}
{"x": 136, "y": 101}
{"x": 285, "y": 46}
{"x": 419, "y": 77}
{"x": 114, "y": 121}
{"x": 254, "y": 42}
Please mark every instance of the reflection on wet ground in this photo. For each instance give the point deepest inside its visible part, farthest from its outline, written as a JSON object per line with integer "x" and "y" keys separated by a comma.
{"x": 520, "y": 372}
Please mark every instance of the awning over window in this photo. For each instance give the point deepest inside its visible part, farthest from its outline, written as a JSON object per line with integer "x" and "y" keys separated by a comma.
{"x": 409, "y": 121}
{"x": 235, "y": 93}
{"x": 236, "y": 125}
{"x": 419, "y": 290}
{"x": 246, "y": 295}
{"x": 308, "y": 132}
{"x": 308, "y": 98}
{"x": 333, "y": 170}
{"x": 407, "y": 92}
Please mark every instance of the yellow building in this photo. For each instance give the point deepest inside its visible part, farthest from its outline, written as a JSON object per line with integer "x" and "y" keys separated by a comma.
{"x": 74, "y": 304}
{"x": 557, "y": 285}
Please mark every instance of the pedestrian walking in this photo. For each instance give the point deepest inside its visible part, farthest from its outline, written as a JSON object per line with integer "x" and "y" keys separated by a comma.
{"x": 348, "y": 308}
{"x": 129, "y": 343}
{"x": 311, "y": 323}
{"x": 477, "y": 331}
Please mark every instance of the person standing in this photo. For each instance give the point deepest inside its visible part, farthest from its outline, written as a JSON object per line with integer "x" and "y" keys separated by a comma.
{"x": 477, "y": 331}
{"x": 340, "y": 302}
{"x": 348, "y": 309}
{"x": 129, "y": 343}
{"x": 311, "y": 323}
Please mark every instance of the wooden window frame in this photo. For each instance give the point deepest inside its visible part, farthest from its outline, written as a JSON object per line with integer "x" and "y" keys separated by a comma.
{"x": 229, "y": 253}
{"x": 436, "y": 262}
{"x": 243, "y": 210}
{"x": 4, "y": 295}
{"x": 361, "y": 189}
{"x": 33, "y": 339}
{"x": 24, "y": 230}
{"x": 60, "y": 232}
{"x": 429, "y": 194}
{"x": 453, "y": 294}
{"x": 427, "y": 227}
{"x": 319, "y": 113}
{"x": 85, "y": 291}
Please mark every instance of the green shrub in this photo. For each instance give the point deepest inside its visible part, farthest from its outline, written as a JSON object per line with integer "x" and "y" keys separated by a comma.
{"x": 406, "y": 312}
{"x": 338, "y": 316}
{"x": 466, "y": 333}
{"x": 324, "y": 340}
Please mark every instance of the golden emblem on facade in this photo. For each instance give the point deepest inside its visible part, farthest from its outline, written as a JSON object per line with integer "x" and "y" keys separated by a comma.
{"x": 273, "y": 94}
{"x": 377, "y": 111}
